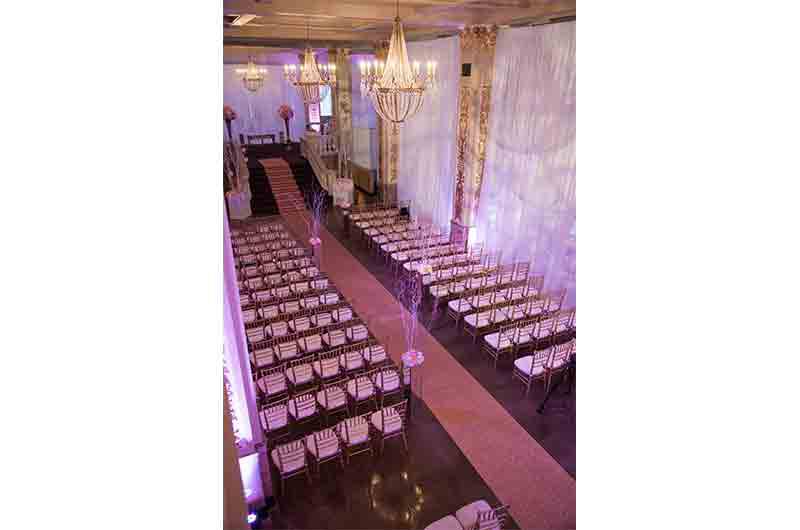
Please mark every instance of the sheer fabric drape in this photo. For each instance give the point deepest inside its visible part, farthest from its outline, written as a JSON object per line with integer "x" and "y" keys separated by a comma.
{"x": 264, "y": 104}
{"x": 235, "y": 354}
{"x": 527, "y": 201}
{"x": 426, "y": 167}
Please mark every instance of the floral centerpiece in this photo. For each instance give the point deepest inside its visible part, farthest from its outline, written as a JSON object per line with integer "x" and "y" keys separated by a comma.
{"x": 286, "y": 113}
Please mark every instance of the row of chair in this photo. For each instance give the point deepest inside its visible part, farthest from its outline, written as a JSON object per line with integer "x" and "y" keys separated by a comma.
{"x": 511, "y": 339}
{"x": 350, "y": 437}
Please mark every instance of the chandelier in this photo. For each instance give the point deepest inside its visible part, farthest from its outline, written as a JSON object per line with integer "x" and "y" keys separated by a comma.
{"x": 252, "y": 76}
{"x": 312, "y": 81}
{"x": 397, "y": 87}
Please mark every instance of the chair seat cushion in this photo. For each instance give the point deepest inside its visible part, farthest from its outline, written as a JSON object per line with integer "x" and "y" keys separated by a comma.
{"x": 365, "y": 388}
{"x": 358, "y": 432}
{"x": 300, "y": 374}
{"x": 523, "y": 364}
{"x": 393, "y": 420}
{"x": 453, "y": 304}
{"x": 302, "y": 409}
{"x": 351, "y": 362}
{"x": 264, "y": 357}
{"x": 291, "y": 462}
{"x": 272, "y": 384}
{"x": 274, "y": 418}
{"x": 445, "y": 523}
{"x": 328, "y": 446}
{"x": 492, "y": 340}
{"x": 468, "y": 515}
{"x": 387, "y": 380}
{"x": 331, "y": 398}
{"x": 374, "y": 354}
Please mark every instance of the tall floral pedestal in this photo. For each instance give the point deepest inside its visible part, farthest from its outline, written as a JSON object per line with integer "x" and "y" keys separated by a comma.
{"x": 316, "y": 251}
{"x": 412, "y": 376}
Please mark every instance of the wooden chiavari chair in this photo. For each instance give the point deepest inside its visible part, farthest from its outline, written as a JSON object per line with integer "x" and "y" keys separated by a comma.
{"x": 357, "y": 332}
{"x": 355, "y": 436}
{"x": 310, "y": 341}
{"x": 374, "y": 354}
{"x": 329, "y": 298}
{"x": 310, "y": 302}
{"x": 564, "y": 321}
{"x": 303, "y": 407}
{"x": 272, "y": 384}
{"x": 299, "y": 373}
{"x": 480, "y": 516}
{"x": 324, "y": 446}
{"x": 290, "y": 306}
{"x": 351, "y": 359}
{"x": 268, "y": 311}
{"x": 332, "y": 398}
{"x": 301, "y": 321}
{"x": 262, "y": 354}
{"x": 555, "y": 299}
{"x": 558, "y": 359}
{"x": 334, "y": 337}
{"x": 277, "y": 329}
{"x": 500, "y": 343}
{"x": 275, "y": 421}
{"x": 388, "y": 383}
{"x": 290, "y": 460}
{"x": 321, "y": 318}
{"x": 326, "y": 365}
{"x": 389, "y": 422}
{"x": 287, "y": 349}
{"x": 543, "y": 330}
{"x": 531, "y": 367}
{"x": 456, "y": 309}
{"x": 361, "y": 390}
{"x": 342, "y": 314}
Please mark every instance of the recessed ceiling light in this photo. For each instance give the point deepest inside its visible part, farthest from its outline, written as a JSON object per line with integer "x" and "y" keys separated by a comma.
{"x": 241, "y": 20}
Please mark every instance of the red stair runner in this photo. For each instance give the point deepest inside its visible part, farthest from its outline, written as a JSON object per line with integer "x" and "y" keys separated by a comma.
{"x": 284, "y": 186}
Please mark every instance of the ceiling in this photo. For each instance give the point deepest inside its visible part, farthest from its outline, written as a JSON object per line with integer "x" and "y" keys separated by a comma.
{"x": 280, "y": 25}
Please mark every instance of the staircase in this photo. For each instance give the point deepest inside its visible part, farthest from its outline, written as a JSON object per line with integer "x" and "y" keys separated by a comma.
{"x": 262, "y": 200}
{"x": 283, "y": 185}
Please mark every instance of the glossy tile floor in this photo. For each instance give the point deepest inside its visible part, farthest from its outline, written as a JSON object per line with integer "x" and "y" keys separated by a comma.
{"x": 554, "y": 429}
{"x": 393, "y": 490}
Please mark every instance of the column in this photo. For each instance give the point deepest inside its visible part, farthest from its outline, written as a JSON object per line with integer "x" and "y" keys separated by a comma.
{"x": 343, "y": 103}
{"x": 474, "y": 104}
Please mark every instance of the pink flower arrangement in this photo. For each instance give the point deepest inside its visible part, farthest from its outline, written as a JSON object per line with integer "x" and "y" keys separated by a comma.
{"x": 413, "y": 358}
{"x": 285, "y": 112}
{"x": 228, "y": 113}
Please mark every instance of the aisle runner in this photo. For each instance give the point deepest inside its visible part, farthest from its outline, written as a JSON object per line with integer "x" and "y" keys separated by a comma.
{"x": 519, "y": 471}
{"x": 284, "y": 187}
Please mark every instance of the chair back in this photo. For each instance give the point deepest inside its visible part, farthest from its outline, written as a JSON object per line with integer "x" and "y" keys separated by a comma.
{"x": 491, "y": 519}
{"x": 287, "y": 349}
{"x": 291, "y": 454}
{"x": 275, "y": 416}
{"x": 329, "y": 364}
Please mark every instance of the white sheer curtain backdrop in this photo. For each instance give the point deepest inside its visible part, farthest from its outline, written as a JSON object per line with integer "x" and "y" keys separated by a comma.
{"x": 264, "y": 103}
{"x": 527, "y": 202}
{"x": 427, "y": 162}
{"x": 235, "y": 353}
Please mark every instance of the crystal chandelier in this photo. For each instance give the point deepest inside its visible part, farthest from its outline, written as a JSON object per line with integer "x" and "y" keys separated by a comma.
{"x": 252, "y": 76}
{"x": 312, "y": 81}
{"x": 397, "y": 88}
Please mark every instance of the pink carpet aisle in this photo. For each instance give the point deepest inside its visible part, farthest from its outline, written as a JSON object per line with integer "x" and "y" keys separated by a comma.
{"x": 513, "y": 464}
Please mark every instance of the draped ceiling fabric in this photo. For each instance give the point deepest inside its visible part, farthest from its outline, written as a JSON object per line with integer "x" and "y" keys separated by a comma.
{"x": 427, "y": 162}
{"x": 264, "y": 103}
{"x": 527, "y": 200}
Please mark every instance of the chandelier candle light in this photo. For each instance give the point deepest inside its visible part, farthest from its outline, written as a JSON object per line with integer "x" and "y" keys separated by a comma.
{"x": 312, "y": 81}
{"x": 253, "y": 76}
{"x": 397, "y": 87}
